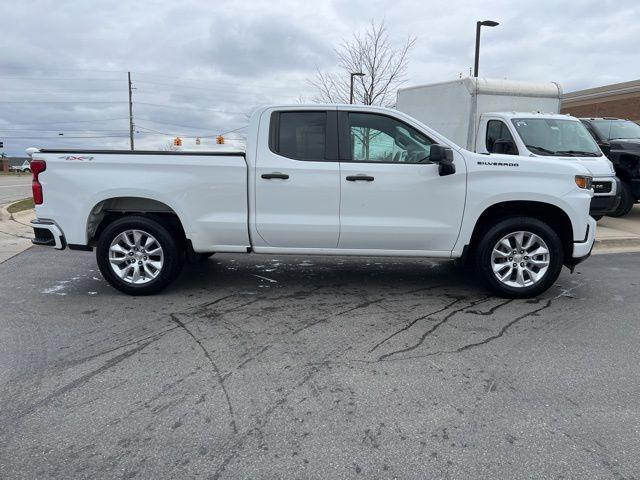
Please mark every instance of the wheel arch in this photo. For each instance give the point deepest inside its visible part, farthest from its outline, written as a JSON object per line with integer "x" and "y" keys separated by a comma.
{"x": 551, "y": 214}
{"x": 109, "y": 209}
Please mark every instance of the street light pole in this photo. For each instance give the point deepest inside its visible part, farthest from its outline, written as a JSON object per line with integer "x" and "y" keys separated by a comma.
{"x": 355, "y": 74}
{"x": 484, "y": 23}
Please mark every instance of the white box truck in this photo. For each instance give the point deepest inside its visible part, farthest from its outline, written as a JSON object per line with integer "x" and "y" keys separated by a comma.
{"x": 493, "y": 116}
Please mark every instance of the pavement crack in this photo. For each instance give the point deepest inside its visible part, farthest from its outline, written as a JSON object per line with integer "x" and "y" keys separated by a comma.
{"x": 435, "y": 327}
{"x": 203, "y": 307}
{"x": 208, "y": 356}
{"x": 86, "y": 377}
{"x": 502, "y": 331}
{"x": 253, "y": 357}
{"x": 492, "y": 310}
{"x": 412, "y": 323}
{"x": 361, "y": 305}
{"x": 155, "y": 336}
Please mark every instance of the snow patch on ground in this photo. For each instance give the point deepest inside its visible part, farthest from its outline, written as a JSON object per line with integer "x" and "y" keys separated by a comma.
{"x": 57, "y": 289}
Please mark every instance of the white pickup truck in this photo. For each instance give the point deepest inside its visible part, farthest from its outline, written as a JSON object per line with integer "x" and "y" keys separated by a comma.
{"x": 511, "y": 117}
{"x": 317, "y": 180}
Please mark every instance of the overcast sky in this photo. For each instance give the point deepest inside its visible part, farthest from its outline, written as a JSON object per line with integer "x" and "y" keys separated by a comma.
{"x": 198, "y": 67}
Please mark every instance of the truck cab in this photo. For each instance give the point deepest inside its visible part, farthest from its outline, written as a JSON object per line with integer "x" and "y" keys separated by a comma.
{"x": 503, "y": 117}
{"x": 560, "y": 137}
{"x": 619, "y": 139}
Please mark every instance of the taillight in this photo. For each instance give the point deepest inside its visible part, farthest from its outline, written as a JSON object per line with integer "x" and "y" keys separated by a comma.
{"x": 37, "y": 167}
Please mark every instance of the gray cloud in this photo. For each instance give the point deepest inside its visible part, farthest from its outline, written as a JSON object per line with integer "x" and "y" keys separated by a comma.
{"x": 196, "y": 64}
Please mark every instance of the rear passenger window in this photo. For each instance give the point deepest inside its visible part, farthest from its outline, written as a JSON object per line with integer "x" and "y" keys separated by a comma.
{"x": 300, "y": 135}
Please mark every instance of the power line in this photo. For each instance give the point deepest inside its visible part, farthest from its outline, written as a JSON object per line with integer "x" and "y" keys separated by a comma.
{"x": 61, "y": 101}
{"x": 219, "y": 87}
{"x": 66, "y": 79}
{"x": 65, "y": 136}
{"x": 188, "y": 107}
{"x": 58, "y": 130}
{"x": 74, "y": 121}
{"x": 206, "y": 84}
{"x": 176, "y": 124}
{"x": 211, "y": 132}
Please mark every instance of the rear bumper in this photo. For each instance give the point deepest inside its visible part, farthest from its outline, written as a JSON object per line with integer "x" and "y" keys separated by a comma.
{"x": 47, "y": 234}
{"x": 582, "y": 250}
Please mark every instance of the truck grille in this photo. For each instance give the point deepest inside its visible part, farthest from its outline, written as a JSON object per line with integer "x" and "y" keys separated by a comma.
{"x": 602, "y": 187}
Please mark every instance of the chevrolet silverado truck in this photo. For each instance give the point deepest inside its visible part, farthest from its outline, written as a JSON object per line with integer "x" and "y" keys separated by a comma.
{"x": 511, "y": 117}
{"x": 620, "y": 141}
{"x": 317, "y": 180}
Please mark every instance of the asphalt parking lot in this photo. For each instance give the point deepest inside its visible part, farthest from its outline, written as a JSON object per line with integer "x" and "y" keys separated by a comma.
{"x": 291, "y": 367}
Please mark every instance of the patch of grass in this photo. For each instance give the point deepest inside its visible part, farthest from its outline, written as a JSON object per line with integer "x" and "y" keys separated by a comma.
{"x": 26, "y": 204}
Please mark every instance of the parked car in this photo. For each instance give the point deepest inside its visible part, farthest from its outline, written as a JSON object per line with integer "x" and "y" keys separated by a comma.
{"x": 492, "y": 116}
{"x": 317, "y": 180}
{"x": 25, "y": 167}
{"x": 620, "y": 141}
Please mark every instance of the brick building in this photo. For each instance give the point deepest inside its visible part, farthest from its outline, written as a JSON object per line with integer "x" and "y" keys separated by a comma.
{"x": 620, "y": 100}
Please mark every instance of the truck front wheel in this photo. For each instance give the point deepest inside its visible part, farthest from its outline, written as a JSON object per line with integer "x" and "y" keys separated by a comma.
{"x": 519, "y": 257}
{"x": 138, "y": 255}
{"x": 626, "y": 201}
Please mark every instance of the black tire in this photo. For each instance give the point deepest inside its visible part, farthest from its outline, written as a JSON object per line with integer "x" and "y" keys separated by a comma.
{"x": 597, "y": 217}
{"x": 173, "y": 254}
{"x": 626, "y": 201}
{"x": 483, "y": 256}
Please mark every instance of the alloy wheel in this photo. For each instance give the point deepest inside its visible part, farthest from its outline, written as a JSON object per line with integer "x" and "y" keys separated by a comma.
{"x": 136, "y": 257}
{"x": 520, "y": 259}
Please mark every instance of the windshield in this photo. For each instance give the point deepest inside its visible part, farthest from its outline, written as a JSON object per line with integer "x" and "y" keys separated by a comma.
{"x": 612, "y": 129}
{"x": 547, "y": 136}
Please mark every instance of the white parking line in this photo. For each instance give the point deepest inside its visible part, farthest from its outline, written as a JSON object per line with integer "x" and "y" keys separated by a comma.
{"x": 12, "y": 186}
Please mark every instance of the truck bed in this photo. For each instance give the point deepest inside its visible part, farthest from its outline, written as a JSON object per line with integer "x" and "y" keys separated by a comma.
{"x": 206, "y": 189}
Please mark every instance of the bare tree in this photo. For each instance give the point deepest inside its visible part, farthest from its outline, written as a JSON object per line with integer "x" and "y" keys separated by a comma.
{"x": 372, "y": 53}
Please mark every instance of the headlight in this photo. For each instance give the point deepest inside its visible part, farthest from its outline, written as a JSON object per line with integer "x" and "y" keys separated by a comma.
{"x": 584, "y": 181}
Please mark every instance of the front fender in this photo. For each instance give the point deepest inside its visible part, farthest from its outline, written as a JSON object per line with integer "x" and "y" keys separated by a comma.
{"x": 492, "y": 186}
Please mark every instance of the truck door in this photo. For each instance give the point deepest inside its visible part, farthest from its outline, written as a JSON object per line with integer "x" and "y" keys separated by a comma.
{"x": 297, "y": 187}
{"x": 494, "y": 136}
{"x": 392, "y": 198}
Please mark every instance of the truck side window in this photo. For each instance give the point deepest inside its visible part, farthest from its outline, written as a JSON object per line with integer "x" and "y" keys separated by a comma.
{"x": 497, "y": 130}
{"x": 300, "y": 135}
{"x": 379, "y": 138}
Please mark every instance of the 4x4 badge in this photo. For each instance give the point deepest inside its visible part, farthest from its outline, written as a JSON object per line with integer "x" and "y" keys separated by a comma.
{"x": 80, "y": 159}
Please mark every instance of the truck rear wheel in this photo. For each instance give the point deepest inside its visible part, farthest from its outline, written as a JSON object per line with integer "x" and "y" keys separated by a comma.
{"x": 138, "y": 255}
{"x": 519, "y": 257}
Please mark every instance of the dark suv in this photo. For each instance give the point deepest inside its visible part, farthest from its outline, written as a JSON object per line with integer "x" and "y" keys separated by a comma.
{"x": 620, "y": 141}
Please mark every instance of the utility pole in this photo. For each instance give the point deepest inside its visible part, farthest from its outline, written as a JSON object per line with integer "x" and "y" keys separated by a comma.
{"x": 130, "y": 112}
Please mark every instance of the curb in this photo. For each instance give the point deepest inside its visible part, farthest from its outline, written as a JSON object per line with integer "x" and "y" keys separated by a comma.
{"x": 18, "y": 216}
{"x": 5, "y": 215}
{"x": 617, "y": 243}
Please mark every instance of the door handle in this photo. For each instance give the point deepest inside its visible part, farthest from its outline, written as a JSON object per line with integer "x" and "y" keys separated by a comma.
{"x": 360, "y": 178}
{"x": 269, "y": 176}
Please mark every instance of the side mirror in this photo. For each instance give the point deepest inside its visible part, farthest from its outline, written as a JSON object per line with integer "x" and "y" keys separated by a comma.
{"x": 443, "y": 156}
{"x": 506, "y": 147}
